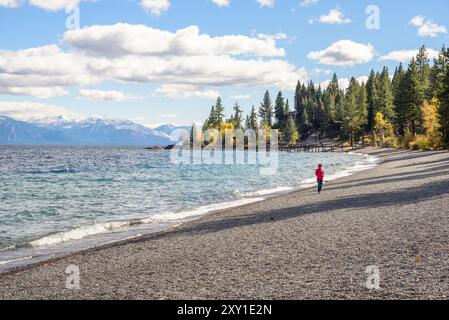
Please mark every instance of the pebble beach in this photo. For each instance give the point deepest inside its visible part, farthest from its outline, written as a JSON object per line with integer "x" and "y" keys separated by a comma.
{"x": 299, "y": 245}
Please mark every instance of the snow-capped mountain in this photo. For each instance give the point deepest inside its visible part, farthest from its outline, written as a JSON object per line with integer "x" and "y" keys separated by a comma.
{"x": 98, "y": 131}
{"x": 20, "y": 132}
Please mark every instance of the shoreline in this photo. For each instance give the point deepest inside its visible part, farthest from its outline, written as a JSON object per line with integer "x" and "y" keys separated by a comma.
{"x": 53, "y": 247}
{"x": 245, "y": 226}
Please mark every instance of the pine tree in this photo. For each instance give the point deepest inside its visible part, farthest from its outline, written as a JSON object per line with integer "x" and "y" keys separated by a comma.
{"x": 372, "y": 93}
{"x": 236, "y": 118}
{"x": 413, "y": 91}
{"x": 329, "y": 111}
{"x": 333, "y": 86}
{"x": 211, "y": 121}
{"x": 279, "y": 112}
{"x": 252, "y": 121}
{"x": 291, "y": 132}
{"x": 302, "y": 119}
{"x": 385, "y": 96}
{"x": 311, "y": 106}
{"x": 266, "y": 111}
{"x": 297, "y": 103}
{"x": 399, "y": 99}
{"x": 353, "y": 118}
{"x": 287, "y": 109}
{"x": 422, "y": 62}
{"x": 340, "y": 106}
{"x": 219, "y": 113}
{"x": 438, "y": 72}
{"x": 362, "y": 107}
{"x": 334, "y": 96}
{"x": 444, "y": 112}
{"x": 322, "y": 117}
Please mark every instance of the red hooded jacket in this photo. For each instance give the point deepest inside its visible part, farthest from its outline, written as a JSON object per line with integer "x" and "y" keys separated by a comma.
{"x": 319, "y": 174}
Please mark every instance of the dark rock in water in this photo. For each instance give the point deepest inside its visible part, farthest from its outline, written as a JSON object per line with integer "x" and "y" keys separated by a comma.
{"x": 154, "y": 148}
{"x": 169, "y": 147}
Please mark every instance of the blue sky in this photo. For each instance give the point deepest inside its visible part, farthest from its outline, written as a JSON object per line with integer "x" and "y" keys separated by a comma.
{"x": 119, "y": 70}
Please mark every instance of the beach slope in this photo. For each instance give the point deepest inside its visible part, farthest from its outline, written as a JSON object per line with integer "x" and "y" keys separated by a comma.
{"x": 295, "y": 246}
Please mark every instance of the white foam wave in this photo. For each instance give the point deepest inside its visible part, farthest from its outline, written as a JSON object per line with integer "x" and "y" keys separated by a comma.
{"x": 176, "y": 216}
{"x": 79, "y": 233}
{"x": 368, "y": 162}
{"x": 15, "y": 260}
{"x": 9, "y": 248}
{"x": 167, "y": 217}
{"x": 268, "y": 192}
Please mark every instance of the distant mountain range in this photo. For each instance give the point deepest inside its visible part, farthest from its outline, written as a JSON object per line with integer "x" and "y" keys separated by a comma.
{"x": 92, "y": 131}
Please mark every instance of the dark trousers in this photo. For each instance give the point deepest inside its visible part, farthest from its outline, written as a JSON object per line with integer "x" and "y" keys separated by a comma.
{"x": 320, "y": 185}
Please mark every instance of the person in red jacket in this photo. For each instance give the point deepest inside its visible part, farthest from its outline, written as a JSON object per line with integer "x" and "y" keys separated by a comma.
{"x": 319, "y": 173}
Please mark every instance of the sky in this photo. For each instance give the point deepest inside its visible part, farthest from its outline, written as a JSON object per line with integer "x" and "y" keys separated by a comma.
{"x": 166, "y": 61}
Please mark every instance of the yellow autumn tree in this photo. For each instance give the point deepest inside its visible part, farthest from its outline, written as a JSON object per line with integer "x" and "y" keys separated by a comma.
{"x": 430, "y": 116}
{"x": 380, "y": 125}
{"x": 227, "y": 133}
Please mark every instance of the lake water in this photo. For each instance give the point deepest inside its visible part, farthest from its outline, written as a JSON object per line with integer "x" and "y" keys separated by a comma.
{"x": 55, "y": 200}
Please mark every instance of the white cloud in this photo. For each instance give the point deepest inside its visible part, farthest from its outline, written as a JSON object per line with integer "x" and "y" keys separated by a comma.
{"x": 116, "y": 53}
{"x": 9, "y": 3}
{"x": 54, "y": 5}
{"x": 214, "y": 71}
{"x": 344, "y": 53}
{"x": 155, "y": 7}
{"x": 335, "y": 16}
{"x": 426, "y": 27}
{"x": 32, "y": 111}
{"x": 308, "y": 2}
{"x": 362, "y": 79}
{"x": 186, "y": 91}
{"x": 37, "y": 92}
{"x": 222, "y": 3}
{"x": 318, "y": 71}
{"x": 276, "y": 36}
{"x": 266, "y": 3}
{"x": 122, "y": 38}
{"x": 42, "y": 72}
{"x": 406, "y": 55}
{"x": 241, "y": 97}
{"x": 343, "y": 83}
{"x": 110, "y": 95}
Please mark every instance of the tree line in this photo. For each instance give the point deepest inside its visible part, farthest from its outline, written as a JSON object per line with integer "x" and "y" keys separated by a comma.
{"x": 408, "y": 109}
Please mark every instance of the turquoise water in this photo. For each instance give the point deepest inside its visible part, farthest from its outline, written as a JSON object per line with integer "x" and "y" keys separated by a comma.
{"x": 54, "y": 196}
